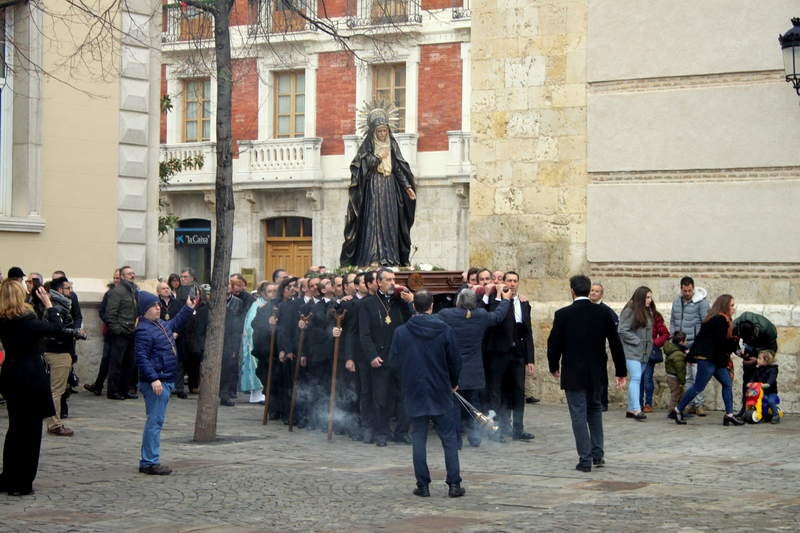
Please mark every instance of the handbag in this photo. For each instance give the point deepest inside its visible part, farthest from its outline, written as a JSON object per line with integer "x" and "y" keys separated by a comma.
{"x": 656, "y": 355}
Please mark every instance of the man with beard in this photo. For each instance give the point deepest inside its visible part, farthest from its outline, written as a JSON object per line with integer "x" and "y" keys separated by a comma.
{"x": 379, "y": 316}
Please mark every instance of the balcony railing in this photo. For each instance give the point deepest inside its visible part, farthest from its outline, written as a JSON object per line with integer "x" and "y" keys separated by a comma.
{"x": 283, "y": 16}
{"x": 185, "y": 24}
{"x": 280, "y": 160}
{"x": 462, "y": 12}
{"x": 201, "y": 176}
{"x": 383, "y": 12}
{"x": 459, "y": 162}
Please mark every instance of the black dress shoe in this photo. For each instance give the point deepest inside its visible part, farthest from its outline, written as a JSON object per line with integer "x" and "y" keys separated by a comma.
{"x": 422, "y": 491}
{"x": 18, "y": 492}
{"x": 182, "y": 395}
{"x": 523, "y": 436}
{"x": 583, "y": 468}
{"x": 97, "y": 391}
{"x": 532, "y": 399}
{"x": 677, "y": 416}
{"x": 380, "y": 442}
{"x": 227, "y": 402}
{"x": 455, "y": 490}
{"x": 636, "y": 416}
{"x": 116, "y": 396}
{"x": 730, "y": 419}
{"x": 132, "y": 396}
{"x": 598, "y": 462}
{"x": 155, "y": 470}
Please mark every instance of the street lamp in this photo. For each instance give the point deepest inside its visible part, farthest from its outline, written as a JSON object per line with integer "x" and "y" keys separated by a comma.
{"x": 790, "y": 45}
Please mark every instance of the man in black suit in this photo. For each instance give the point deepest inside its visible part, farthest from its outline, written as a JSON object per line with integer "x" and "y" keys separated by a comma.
{"x": 378, "y": 316}
{"x": 576, "y": 353}
{"x": 509, "y": 347}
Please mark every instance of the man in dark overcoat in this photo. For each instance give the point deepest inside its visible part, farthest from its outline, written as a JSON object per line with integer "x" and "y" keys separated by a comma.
{"x": 576, "y": 353}
{"x": 425, "y": 351}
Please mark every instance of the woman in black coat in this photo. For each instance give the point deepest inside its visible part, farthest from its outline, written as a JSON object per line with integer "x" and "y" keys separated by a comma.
{"x": 712, "y": 352}
{"x": 24, "y": 383}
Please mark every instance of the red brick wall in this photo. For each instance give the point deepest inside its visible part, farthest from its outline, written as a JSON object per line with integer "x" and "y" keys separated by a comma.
{"x": 243, "y": 12}
{"x": 440, "y": 95}
{"x": 336, "y": 100}
{"x": 162, "y": 138}
{"x": 333, "y": 8}
{"x": 440, "y": 4}
{"x": 244, "y": 105}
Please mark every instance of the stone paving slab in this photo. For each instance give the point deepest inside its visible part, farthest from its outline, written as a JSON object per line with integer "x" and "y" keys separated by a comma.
{"x": 255, "y": 478}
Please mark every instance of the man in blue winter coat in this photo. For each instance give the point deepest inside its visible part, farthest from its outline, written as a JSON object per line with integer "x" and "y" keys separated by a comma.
{"x": 424, "y": 349}
{"x": 157, "y": 359}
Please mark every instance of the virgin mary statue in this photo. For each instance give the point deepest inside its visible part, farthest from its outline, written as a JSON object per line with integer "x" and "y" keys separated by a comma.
{"x": 380, "y": 211}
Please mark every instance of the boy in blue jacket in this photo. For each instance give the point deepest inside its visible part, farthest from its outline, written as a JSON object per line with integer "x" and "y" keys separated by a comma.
{"x": 157, "y": 359}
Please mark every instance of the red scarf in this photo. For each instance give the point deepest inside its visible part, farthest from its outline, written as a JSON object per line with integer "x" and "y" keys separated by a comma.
{"x": 729, "y": 333}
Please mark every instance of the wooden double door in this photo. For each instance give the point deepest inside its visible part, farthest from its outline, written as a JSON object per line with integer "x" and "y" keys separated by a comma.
{"x": 287, "y": 246}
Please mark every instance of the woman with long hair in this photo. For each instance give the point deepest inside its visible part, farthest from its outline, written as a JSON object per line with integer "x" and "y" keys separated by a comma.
{"x": 636, "y": 333}
{"x": 24, "y": 383}
{"x": 712, "y": 352}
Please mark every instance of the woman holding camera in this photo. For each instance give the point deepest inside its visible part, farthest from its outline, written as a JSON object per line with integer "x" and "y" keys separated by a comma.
{"x": 24, "y": 383}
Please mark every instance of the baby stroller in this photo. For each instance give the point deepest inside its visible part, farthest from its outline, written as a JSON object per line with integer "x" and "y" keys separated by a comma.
{"x": 755, "y": 409}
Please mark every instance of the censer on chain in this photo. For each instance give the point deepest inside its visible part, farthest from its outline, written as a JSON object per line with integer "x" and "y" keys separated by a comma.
{"x": 487, "y": 421}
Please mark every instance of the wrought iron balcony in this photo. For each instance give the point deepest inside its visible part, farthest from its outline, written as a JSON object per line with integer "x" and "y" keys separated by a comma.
{"x": 464, "y": 11}
{"x": 383, "y": 12}
{"x": 185, "y": 24}
{"x": 282, "y": 16}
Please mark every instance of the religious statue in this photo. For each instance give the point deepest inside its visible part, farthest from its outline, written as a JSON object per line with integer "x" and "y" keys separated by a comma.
{"x": 382, "y": 192}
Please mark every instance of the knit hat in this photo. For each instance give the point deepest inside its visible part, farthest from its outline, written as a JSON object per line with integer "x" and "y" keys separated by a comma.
{"x": 144, "y": 301}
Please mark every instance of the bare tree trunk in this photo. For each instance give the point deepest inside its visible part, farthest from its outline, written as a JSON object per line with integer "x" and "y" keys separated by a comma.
{"x": 205, "y": 428}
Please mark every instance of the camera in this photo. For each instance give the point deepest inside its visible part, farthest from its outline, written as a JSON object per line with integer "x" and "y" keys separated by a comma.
{"x": 74, "y": 333}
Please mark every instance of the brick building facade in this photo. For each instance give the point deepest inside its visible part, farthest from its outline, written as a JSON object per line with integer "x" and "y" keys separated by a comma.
{"x": 296, "y": 98}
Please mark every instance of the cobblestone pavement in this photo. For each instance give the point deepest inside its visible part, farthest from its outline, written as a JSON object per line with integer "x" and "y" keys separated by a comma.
{"x": 659, "y": 476}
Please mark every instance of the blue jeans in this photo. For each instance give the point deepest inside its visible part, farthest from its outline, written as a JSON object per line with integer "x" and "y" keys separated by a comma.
{"x": 647, "y": 387}
{"x": 705, "y": 371}
{"x": 635, "y": 375}
{"x": 446, "y": 428}
{"x": 586, "y": 413}
{"x": 156, "y": 409}
{"x": 770, "y": 401}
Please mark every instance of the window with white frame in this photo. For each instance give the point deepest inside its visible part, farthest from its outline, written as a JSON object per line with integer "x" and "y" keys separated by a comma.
{"x": 197, "y": 110}
{"x": 389, "y": 86}
{"x": 290, "y": 104}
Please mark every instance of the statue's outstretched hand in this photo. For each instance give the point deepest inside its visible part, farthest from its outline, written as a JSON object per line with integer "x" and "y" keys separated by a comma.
{"x": 411, "y": 193}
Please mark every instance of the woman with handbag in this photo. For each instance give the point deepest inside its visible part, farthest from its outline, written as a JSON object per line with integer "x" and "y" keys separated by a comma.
{"x": 24, "y": 383}
{"x": 636, "y": 333}
{"x": 660, "y": 336}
